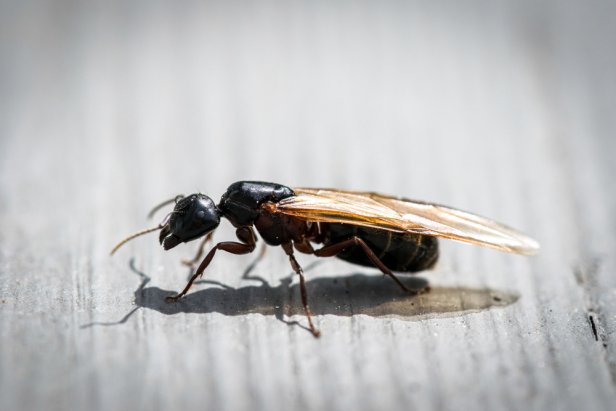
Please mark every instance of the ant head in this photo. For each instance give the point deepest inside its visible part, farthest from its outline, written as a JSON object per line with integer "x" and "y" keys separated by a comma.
{"x": 193, "y": 217}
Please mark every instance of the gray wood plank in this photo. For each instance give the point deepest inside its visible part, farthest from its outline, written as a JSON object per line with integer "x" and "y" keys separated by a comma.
{"x": 502, "y": 108}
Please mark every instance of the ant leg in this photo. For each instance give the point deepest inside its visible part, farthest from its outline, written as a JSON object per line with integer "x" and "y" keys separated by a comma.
{"x": 288, "y": 248}
{"x": 197, "y": 257}
{"x": 248, "y": 244}
{"x": 246, "y": 275}
{"x": 165, "y": 203}
{"x": 333, "y": 249}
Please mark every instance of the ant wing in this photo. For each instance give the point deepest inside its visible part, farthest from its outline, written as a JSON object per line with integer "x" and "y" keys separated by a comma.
{"x": 402, "y": 215}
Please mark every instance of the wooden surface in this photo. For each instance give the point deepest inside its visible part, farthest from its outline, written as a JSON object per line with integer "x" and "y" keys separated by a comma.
{"x": 501, "y": 108}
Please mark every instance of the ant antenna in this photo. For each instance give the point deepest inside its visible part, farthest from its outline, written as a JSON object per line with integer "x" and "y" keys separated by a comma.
{"x": 163, "y": 204}
{"x": 135, "y": 235}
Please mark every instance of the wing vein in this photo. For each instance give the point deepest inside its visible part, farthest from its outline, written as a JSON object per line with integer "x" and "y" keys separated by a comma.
{"x": 403, "y": 215}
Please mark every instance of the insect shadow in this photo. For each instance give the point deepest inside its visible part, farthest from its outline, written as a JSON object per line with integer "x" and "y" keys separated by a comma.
{"x": 345, "y": 295}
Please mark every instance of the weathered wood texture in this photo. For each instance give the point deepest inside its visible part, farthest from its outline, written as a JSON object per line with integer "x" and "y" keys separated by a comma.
{"x": 504, "y": 108}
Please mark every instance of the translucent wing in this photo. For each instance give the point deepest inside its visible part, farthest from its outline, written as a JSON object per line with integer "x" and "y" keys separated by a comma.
{"x": 402, "y": 215}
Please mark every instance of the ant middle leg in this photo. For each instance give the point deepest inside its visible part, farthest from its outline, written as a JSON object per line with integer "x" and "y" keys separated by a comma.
{"x": 288, "y": 249}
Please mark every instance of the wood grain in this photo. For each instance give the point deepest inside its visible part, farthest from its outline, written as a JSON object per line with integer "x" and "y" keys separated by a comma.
{"x": 501, "y": 108}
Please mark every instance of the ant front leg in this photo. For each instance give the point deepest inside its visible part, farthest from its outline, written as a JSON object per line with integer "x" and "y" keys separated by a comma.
{"x": 288, "y": 248}
{"x": 197, "y": 257}
{"x": 247, "y": 245}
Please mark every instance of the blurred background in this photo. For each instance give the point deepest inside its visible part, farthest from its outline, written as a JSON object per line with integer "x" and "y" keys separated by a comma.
{"x": 307, "y": 93}
{"x": 504, "y": 108}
